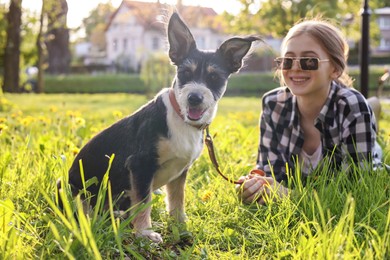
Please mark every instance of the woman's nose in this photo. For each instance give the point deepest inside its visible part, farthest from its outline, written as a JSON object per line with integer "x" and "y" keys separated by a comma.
{"x": 296, "y": 65}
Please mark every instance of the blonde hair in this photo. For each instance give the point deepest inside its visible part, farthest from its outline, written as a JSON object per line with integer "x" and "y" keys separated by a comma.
{"x": 331, "y": 40}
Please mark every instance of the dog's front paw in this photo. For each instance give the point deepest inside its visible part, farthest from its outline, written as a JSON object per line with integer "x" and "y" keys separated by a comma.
{"x": 154, "y": 236}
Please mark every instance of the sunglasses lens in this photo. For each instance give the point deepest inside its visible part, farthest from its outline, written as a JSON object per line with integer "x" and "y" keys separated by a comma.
{"x": 309, "y": 63}
{"x": 284, "y": 63}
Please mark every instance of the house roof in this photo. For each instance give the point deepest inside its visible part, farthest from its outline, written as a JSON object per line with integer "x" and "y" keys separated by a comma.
{"x": 147, "y": 14}
{"x": 385, "y": 10}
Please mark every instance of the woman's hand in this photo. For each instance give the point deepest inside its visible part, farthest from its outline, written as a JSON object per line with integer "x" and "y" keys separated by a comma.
{"x": 256, "y": 188}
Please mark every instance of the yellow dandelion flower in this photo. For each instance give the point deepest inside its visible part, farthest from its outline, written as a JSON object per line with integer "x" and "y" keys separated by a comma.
{"x": 206, "y": 195}
{"x": 75, "y": 150}
{"x": 95, "y": 130}
{"x": 72, "y": 147}
{"x": 71, "y": 113}
{"x": 3, "y": 127}
{"x": 44, "y": 119}
{"x": 3, "y": 120}
{"x": 79, "y": 121}
{"x": 26, "y": 121}
{"x": 53, "y": 109}
{"x": 117, "y": 114}
{"x": 17, "y": 114}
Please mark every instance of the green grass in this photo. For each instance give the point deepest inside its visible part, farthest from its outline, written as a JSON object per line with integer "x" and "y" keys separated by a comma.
{"x": 39, "y": 137}
{"x": 101, "y": 83}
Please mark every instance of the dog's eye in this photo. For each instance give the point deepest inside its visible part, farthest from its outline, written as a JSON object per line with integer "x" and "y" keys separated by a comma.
{"x": 185, "y": 75}
{"x": 213, "y": 77}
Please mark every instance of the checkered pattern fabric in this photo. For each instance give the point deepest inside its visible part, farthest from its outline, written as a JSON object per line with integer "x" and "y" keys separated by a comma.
{"x": 346, "y": 123}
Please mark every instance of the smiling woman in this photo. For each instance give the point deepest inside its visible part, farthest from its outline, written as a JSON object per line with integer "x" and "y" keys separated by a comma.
{"x": 315, "y": 118}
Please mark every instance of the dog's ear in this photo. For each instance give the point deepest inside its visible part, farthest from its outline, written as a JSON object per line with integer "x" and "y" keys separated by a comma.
{"x": 234, "y": 50}
{"x": 180, "y": 39}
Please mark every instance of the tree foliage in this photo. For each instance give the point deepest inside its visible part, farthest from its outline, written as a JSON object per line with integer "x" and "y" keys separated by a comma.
{"x": 95, "y": 25}
{"x": 28, "y": 52}
{"x": 41, "y": 50}
{"x": 276, "y": 17}
{"x": 384, "y": 3}
{"x": 156, "y": 73}
{"x": 99, "y": 15}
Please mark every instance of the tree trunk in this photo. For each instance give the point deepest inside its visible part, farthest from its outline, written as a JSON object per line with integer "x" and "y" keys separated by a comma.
{"x": 41, "y": 52}
{"x": 12, "y": 48}
{"x": 57, "y": 40}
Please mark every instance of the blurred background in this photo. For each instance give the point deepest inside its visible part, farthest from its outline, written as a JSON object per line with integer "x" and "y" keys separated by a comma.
{"x": 59, "y": 46}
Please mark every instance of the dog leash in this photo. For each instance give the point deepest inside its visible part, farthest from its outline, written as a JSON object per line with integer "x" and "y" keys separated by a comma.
{"x": 213, "y": 158}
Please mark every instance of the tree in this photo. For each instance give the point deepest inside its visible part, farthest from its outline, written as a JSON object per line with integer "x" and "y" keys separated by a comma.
{"x": 384, "y": 3}
{"x": 57, "y": 39}
{"x": 276, "y": 17}
{"x": 3, "y": 36}
{"x": 12, "y": 47}
{"x": 156, "y": 73}
{"x": 95, "y": 25}
{"x": 99, "y": 15}
{"x": 98, "y": 37}
{"x": 41, "y": 51}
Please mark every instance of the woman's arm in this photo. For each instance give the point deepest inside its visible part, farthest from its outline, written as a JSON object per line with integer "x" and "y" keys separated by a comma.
{"x": 358, "y": 131}
{"x": 270, "y": 157}
{"x": 272, "y": 149}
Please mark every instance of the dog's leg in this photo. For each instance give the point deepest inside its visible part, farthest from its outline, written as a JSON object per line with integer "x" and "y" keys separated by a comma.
{"x": 175, "y": 197}
{"x": 140, "y": 195}
{"x": 142, "y": 222}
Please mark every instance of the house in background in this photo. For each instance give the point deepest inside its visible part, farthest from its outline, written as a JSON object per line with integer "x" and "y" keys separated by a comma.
{"x": 137, "y": 29}
{"x": 383, "y": 19}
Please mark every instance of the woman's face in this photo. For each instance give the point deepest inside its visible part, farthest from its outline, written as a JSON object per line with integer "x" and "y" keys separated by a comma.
{"x": 308, "y": 82}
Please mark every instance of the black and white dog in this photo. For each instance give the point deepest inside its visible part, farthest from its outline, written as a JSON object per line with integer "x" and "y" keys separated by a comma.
{"x": 157, "y": 144}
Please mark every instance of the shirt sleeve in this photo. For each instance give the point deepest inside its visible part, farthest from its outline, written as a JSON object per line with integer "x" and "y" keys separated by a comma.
{"x": 359, "y": 131}
{"x": 270, "y": 158}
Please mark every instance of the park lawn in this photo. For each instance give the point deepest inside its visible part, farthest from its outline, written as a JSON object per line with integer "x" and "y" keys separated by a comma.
{"x": 39, "y": 137}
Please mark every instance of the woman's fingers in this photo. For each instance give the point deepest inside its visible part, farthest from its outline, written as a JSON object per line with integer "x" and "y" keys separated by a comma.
{"x": 256, "y": 188}
{"x": 250, "y": 190}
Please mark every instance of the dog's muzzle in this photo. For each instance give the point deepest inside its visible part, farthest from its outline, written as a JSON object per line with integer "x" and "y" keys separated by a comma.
{"x": 195, "y": 110}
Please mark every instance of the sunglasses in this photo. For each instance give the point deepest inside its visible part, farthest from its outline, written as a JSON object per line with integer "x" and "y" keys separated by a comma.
{"x": 305, "y": 63}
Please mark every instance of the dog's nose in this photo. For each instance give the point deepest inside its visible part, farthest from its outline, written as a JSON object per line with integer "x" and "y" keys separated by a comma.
{"x": 194, "y": 99}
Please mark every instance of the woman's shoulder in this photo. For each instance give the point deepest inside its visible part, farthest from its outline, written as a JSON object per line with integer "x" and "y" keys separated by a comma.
{"x": 281, "y": 94}
{"x": 349, "y": 97}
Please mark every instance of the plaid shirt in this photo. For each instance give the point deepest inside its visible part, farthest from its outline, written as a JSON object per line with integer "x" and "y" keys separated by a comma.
{"x": 346, "y": 123}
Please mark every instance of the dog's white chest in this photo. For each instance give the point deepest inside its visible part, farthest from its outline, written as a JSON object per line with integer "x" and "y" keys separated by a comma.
{"x": 186, "y": 142}
{"x": 176, "y": 154}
